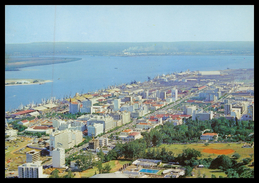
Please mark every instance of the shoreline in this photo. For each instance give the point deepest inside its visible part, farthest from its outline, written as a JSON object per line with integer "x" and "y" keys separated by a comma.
{"x": 38, "y": 83}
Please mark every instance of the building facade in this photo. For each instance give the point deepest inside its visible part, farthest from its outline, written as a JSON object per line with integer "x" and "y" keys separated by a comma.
{"x": 107, "y": 121}
{"x": 32, "y": 156}
{"x": 58, "y": 158}
{"x": 174, "y": 93}
{"x": 95, "y": 129}
{"x": 227, "y": 109}
{"x": 117, "y": 103}
{"x": 65, "y": 138}
{"x": 30, "y": 170}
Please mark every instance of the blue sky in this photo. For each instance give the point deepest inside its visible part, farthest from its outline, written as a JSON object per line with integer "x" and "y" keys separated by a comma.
{"x": 130, "y": 23}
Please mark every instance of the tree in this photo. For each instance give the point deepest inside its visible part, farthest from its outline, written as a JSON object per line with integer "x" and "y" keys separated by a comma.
{"x": 54, "y": 174}
{"x": 69, "y": 174}
{"x": 188, "y": 171}
{"x": 100, "y": 155}
{"x": 99, "y": 166}
{"x": 246, "y": 160}
{"x": 107, "y": 168}
{"x": 235, "y": 156}
{"x": 222, "y": 161}
{"x": 213, "y": 176}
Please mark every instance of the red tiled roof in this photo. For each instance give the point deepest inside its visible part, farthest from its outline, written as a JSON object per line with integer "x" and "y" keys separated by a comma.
{"x": 134, "y": 133}
{"x": 210, "y": 134}
{"x": 127, "y": 130}
{"x": 190, "y": 100}
{"x": 40, "y": 127}
{"x": 25, "y": 121}
{"x": 23, "y": 112}
{"x": 143, "y": 123}
{"x": 202, "y": 87}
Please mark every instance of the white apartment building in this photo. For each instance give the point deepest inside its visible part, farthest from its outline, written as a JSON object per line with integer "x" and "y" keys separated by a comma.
{"x": 174, "y": 95}
{"x": 77, "y": 136}
{"x": 31, "y": 170}
{"x": 95, "y": 129}
{"x": 58, "y": 158}
{"x": 188, "y": 110}
{"x": 65, "y": 138}
{"x": 107, "y": 121}
{"x": 74, "y": 107}
{"x": 32, "y": 156}
{"x": 117, "y": 103}
{"x": 202, "y": 116}
{"x": 103, "y": 142}
{"x": 87, "y": 106}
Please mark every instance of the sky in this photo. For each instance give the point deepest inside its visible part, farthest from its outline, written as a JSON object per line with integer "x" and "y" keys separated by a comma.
{"x": 129, "y": 23}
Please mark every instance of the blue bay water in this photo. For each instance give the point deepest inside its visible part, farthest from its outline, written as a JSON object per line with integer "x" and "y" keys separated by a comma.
{"x": 95, "y": 72}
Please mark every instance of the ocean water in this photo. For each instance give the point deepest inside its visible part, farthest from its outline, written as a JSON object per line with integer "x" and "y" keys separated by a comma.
{"x": 95, "y": 72}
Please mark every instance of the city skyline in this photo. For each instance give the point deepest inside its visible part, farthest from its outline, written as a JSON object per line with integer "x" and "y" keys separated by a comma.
{"x": 130, "y": 23}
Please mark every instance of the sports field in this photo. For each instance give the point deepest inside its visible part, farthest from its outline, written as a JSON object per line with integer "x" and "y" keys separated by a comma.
{"x": 212, "y": 150}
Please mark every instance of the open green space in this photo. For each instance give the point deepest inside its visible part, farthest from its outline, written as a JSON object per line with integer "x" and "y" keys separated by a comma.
{"x": 237, "y": 147}
{"x": 115, "y": 166}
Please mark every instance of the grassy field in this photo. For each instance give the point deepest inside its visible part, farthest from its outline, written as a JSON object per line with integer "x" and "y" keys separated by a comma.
{"x": 244, "y": 152}
{"x": 115, "y": 165}
{"x": 17, "y": 158}
{"x": 207, "y": 172}
{"x": 237, "y": 147}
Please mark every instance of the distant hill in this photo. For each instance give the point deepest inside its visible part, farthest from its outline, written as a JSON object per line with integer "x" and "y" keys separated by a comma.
{"x": 132, "y": 48}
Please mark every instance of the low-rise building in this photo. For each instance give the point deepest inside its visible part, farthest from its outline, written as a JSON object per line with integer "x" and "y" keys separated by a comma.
{"x": 209, "y": 136}
{"x": 39, "y": 129}
{"x": 134, "y": 136}
{"x": 24, "y": 123}
{"x": 11, "y": 132}
{"x": 145, "y": 126}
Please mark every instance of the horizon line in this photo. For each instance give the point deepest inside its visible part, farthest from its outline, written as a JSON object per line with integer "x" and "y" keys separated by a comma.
{"x": 120, "y": 42}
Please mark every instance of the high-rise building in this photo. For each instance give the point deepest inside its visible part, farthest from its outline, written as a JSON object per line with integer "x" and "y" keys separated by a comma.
{"x": 58, "y": 158}
{"x": 74, "y": 107}
{"x": 188, "y": 110}
{"x": 87, "y": 106}
{"x": 32, "y": 156}
{"x": 163, "y": 95}
{"x": 227, "y": 109}
{"x": 145, "y": 94}
{"x": 250, "y": 111}
{"x": 95, "y": 129}
{"x": 30, "y": 170}
{"x": 107, "y": 121}
{"x": 65, "y": 139}
{"x": 174, "y": 94}
{"x": 117, "y": 103}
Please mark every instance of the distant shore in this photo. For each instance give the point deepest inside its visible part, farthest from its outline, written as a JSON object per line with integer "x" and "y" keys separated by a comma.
{"x": 15, "y": 63}
{"x": 15, "y": 82}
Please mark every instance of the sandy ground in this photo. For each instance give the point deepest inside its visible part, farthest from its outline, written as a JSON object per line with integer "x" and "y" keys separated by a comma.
{"x": 218, "y": 151}
{"x": 30, "y": 80}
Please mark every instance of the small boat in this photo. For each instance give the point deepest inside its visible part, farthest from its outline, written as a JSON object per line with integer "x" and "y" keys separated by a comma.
{"x": 115, "y": 68}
